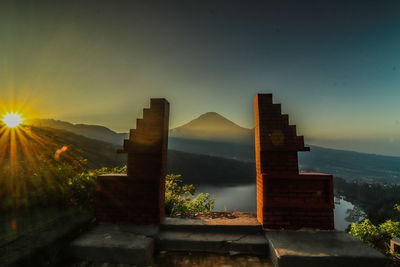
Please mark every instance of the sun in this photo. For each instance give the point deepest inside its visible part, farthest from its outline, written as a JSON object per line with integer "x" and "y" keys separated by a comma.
{"x": 12, "y": 119}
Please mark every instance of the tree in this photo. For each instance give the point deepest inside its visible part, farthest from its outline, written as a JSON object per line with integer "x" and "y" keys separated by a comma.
{"x": 179, "y": 198}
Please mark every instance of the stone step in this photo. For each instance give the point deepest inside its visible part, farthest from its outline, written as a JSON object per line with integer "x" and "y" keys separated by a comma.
{"x": 325, "y": 248}
{"x": 195, "y": 225}
{"x": 212, "y": 241}
{"x": 125, "y": 244}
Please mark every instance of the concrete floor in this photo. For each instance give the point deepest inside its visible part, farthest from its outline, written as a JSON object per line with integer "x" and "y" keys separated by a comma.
{"x": 321, "y": 248}
{"x": 234, "y": 240}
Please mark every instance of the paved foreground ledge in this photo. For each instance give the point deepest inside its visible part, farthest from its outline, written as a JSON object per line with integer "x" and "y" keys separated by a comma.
{"x": 38, "y": 236}
{"x": 224, "y": 234}
{"x": 325, "y": 248}
{"x": 125, "y": 244}
{"x": 229, "y": 234}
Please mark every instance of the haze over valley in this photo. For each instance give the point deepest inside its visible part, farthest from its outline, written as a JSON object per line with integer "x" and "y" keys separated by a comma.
{"x": 213, "y": 138}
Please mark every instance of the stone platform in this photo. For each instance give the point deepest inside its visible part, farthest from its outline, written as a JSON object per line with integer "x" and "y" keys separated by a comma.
{"x": 235, "y": 235}
{"x": 126, "y": 244}
{"x": 229, "y": 233}
{"x": 325, "y": 248}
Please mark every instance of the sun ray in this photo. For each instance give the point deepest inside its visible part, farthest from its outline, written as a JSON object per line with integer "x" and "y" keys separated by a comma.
{"x": 31, "y": 158}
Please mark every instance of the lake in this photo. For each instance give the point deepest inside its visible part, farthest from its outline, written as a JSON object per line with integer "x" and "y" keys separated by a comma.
{"x": 243, "y": 198}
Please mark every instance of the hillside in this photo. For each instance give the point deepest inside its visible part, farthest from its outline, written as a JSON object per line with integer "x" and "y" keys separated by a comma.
{"x": 34, "y": 144}
{"x": 209, "y": 170}
{"x": 237, "y": 151}
{"x": 197, "y": 169}
{"x": 211, "y": 126}
{"x": 351, "y": 165}
{"x": 92, "y": 131}
{"x": 341, "y": 163}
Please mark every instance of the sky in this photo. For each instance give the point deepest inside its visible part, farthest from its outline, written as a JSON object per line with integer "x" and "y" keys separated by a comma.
{"x": 333, "y": 65}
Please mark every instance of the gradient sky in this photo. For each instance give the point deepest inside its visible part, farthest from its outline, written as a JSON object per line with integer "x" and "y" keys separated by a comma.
{"x": 334, "y": 65}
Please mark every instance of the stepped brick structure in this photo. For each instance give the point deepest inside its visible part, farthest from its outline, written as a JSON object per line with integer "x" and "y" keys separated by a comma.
{"x": 287, "y": 199}
{"x": 139, "y": 196}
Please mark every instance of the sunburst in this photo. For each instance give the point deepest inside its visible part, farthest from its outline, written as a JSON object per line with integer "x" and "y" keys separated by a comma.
{"x": 30, "y": 158}
{"x": 12, "y": 119}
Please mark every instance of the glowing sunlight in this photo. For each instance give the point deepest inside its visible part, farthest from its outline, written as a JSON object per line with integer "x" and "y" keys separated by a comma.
{"x": 12, "y": 120}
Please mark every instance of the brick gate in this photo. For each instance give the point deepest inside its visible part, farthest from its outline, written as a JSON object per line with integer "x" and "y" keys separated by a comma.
{"x": 287, "y": 199}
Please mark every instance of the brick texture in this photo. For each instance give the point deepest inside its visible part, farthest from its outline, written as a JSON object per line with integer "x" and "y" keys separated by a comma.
{"x": 139, "y": 196}
{"x": 287, "y": 199}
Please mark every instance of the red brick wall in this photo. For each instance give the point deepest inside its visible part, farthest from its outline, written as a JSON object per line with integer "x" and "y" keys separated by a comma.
{"x": 139, "y": 196}
{"x": 120, "y": 199}
{"x": 285, "y": 198}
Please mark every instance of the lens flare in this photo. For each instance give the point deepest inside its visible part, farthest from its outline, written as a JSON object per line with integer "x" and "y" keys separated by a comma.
{"x": 12, "y": 120}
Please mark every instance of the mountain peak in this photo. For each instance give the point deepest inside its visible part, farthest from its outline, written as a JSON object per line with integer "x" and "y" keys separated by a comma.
{"x": 212, "y": 126}
{"x": 211, "y": 114}
{"x": 211, "y": 120}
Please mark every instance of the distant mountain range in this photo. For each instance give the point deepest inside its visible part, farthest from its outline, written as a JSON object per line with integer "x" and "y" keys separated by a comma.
{"x": 341, "y": 163}
{"x": 91, "y": 131}
{"x": 213, "y": 135}
{"x": 210, "y": 127}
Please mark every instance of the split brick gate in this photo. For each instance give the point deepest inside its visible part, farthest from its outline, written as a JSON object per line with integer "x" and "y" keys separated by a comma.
{"x": 286, "y": 199}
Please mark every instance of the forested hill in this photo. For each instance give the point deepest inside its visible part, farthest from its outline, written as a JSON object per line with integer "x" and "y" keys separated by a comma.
{"x": 45, "y": 143}
{"x": 33, "y": 144}
{"x": 202, "y": 169}
{"x": 91, "y": 131}
{"x": 341, "y": 163}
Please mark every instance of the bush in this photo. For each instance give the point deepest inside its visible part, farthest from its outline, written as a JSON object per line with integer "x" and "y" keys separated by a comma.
{"x": 82, "y": 186}
{"x": 179, "y": 198}
{"x": 65, "y": 183}
{"x": 378, "y": 236}
{"x": 43, "y": 183}
{"x": 365, "y": 231}
{"x": 389, "y": 229}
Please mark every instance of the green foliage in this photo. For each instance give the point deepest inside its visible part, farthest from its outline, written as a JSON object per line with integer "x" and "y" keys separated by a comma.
{"x": 44, "y": 167}
{"x": 41, "y": 183}
{"x": 365, "y": 231}
{"x": 376, "y": 235}
{"x": 82, "y": 186}
{"x": 51, "y": 183}
{"x": 66, "y": 182}
{"x": 179, "y": 198}
{"x": 389, "y": 229}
